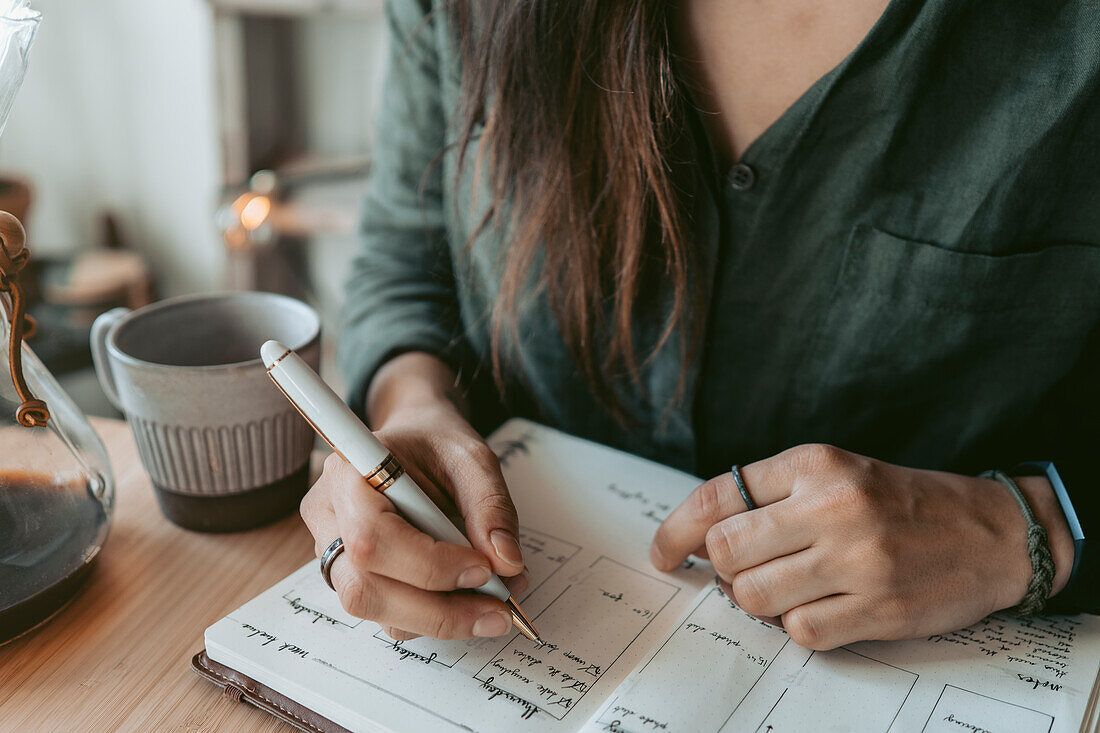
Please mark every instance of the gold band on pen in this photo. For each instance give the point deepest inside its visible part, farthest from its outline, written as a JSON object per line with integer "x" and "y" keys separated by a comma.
{"x": 382, "y": 476}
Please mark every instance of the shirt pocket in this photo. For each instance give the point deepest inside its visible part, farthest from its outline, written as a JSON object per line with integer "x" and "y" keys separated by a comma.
{"x": 921, "y": 351}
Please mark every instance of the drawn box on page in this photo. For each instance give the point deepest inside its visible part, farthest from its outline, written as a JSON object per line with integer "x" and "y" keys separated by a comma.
{"x": 596, "y": 619}
{"x": 720, "y": 648}
{"x": 958, "y": 709}
{"x": 848, "y": 689}
{"x": 544, "y": 555}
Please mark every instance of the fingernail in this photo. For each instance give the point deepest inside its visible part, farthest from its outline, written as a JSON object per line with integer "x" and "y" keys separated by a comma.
{"x": 492, "y": 624}
{"x": 657, "y": 557}
{"x": 523, "y": 581}
{"x": 474, "y": 577}
{"x": 518, "y": 583}
{"x": 507, "y": 547}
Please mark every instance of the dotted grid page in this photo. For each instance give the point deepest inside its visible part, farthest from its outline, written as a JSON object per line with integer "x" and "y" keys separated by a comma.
{"x": 588, "y": 514}
{"x": 737, "y": 673}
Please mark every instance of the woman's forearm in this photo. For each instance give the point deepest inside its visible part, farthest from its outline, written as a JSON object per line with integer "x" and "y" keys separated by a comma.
{"x": 409, "y": 380}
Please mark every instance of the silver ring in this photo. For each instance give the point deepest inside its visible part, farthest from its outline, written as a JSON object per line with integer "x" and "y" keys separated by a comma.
{"x": 740, "y": 482}
{"x": 328, "y": 557}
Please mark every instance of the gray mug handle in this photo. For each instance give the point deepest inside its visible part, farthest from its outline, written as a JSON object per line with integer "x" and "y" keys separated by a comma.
{"x": 101, "y": 329}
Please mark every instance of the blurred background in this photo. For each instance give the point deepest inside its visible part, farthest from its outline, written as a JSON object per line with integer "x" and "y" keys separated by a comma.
{"x": 180, "y": 146}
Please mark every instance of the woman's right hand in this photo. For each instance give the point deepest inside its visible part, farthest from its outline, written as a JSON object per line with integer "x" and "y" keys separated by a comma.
{"x": 394, "y": 574}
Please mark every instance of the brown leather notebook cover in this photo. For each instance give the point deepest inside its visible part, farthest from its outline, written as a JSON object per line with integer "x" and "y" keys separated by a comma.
{"x": 249, "y": 690}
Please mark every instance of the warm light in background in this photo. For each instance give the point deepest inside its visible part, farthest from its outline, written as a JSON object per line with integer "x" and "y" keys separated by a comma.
{"x": 254, "y": 210}
{"x": 241, "y": 221}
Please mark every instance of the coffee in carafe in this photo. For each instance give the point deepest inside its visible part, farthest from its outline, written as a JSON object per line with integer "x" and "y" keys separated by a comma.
{"x": 56, "y": 487}
{"x": 50, "y": 535}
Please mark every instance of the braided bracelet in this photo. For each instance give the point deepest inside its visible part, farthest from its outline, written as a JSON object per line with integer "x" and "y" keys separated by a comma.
{"x": 1038, "y": 551}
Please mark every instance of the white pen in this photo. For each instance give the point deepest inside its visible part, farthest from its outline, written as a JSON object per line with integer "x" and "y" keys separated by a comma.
{"x": 348, "y": 436}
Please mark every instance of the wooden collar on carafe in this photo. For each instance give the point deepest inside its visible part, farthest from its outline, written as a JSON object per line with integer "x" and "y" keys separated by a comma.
{"x": 32, "y": 413}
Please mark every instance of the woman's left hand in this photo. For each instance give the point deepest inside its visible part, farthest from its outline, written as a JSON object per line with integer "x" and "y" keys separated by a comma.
{"x": 846, "y": 548}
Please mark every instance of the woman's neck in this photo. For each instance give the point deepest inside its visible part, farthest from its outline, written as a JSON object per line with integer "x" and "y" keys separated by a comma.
{"x": 750, "y": 60}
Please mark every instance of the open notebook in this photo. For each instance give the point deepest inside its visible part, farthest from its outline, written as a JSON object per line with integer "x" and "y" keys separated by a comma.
{"x": 633, "y": 649}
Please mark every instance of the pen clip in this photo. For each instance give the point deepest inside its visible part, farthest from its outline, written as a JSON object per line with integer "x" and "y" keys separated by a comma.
{"x": 300, "y": 410}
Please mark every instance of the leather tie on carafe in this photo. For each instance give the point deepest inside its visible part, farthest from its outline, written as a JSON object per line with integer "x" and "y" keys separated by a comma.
{"x": 13, "y": 257}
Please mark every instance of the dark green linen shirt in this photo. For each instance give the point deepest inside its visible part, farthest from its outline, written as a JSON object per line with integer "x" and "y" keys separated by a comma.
{"x": 906, "y": 264}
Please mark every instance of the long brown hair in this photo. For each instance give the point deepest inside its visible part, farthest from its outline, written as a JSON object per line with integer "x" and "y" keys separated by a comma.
{"x": 585, "y": 137}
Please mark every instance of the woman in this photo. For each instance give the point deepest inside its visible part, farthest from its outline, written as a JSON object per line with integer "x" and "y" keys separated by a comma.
{"x": 711, "y": 232}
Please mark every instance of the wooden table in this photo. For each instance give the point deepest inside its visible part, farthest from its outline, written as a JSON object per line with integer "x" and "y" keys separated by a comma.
{"x": 118, "y": 657}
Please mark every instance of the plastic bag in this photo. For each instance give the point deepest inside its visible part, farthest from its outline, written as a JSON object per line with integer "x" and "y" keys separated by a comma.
{"x": 18, "y": 23}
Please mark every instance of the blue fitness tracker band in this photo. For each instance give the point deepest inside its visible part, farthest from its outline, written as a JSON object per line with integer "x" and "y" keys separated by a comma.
{"x": 1046, "y": 468}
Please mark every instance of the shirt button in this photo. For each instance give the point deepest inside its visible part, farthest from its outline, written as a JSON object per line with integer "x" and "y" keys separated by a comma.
{"x": 742, "y": 177}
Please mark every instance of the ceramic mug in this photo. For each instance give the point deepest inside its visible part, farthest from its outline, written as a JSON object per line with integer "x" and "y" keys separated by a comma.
{"x": 224, "y": 448}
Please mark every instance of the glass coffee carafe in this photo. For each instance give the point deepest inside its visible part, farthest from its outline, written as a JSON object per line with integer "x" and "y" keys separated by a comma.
{"x": 56, "y": 487}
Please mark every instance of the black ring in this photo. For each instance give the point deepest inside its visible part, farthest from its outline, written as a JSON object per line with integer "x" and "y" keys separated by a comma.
{"x": 328, "y": 557}
{"x": 740, "y": 482}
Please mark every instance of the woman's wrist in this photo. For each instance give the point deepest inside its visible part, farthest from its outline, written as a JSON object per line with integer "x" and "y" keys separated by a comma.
{"x": 1048, "y": 511}
{"x": 412, "y": 380}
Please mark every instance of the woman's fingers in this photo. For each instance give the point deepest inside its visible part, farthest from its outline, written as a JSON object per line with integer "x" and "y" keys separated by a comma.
{"x": 399, "y": 634}
{"x": 748, "y": 539}
{"x": 317, "y": 512}
{"x": 440, "y": 498}
{"x": 385, "y": 544}
{"x": 471, "y": 471}
{"x": 773, "y": 620}
{"x": 378, "y": 540}
{"x": 455, "y": 458}
{"x": 833, "y": 621}
{"x": 686, "y": 527}
{"x": 517, "y": 584}
{"x": 775, "y": 587}
{"x": 389, "y": 602}
{"x": 395, "y": 575}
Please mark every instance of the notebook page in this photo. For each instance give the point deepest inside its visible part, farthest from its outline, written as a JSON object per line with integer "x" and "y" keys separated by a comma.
{"x": 588, "y": 514}
{"x": 1000, "y": 675}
